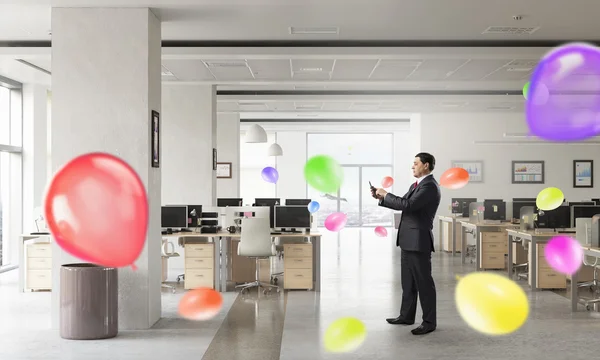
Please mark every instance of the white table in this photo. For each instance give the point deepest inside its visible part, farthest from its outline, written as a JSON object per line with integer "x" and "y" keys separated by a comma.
{"x": 22, "y": 264}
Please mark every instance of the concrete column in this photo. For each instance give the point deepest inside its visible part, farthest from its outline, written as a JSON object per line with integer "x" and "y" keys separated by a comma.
{"x": 189, "y": 137}
{"x": 106, "y": 80}
{"x": 35, "y": 151}
{"x": 228, "y": 148}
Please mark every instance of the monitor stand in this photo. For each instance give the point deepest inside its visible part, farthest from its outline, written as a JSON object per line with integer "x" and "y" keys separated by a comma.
{"x": 492, "y": 222}
{"x": 291, "y": 231}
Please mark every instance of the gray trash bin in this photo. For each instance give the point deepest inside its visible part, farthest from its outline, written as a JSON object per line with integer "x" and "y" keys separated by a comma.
{"x": 88, "y": 302}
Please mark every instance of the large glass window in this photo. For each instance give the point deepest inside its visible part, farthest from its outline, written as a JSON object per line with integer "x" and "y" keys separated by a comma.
{"x": 10, "y": 173}
{"x": 253, "y": 159}
{"x": 364, "y": 158}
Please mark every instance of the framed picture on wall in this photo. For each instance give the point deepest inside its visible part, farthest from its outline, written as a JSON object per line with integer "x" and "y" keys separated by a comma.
{"x": 528, "y": 172}
{"x": 155, "y": 130}
{"x": 223, "y": 170}
{"x": 473, "y": 167}
{"x": 583, "y": 173}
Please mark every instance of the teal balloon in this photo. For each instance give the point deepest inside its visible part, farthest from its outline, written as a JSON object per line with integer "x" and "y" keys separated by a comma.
{"x": 324, "y": 174}
{"x": 313, "y": 206}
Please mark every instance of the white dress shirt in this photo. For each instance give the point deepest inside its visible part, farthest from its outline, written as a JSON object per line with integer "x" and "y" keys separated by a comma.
{"x": 421, "y": 178}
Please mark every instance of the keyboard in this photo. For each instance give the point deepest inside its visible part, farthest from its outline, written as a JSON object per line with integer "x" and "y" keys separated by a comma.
{"x": 185, "y": 230}
{"x": 276, "y": 233}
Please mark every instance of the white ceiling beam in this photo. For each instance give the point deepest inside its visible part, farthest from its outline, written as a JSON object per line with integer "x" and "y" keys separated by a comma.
{"x": 395, "y": 98}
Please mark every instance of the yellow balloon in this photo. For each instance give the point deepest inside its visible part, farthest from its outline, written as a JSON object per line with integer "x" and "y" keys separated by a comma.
{"x": 549, "y": 199}
{"x": 344, "y": 335}
{"x": 491, "y": 304}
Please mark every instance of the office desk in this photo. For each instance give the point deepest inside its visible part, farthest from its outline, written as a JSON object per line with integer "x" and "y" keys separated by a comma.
{"x": 476, "y": 229}
{"x": 24, "y": 263}
{"x": 221, "y": 241}
{"x": 590, "y": 252}
{"x": 453, "y": 229}
{"x": 532, "y": 239}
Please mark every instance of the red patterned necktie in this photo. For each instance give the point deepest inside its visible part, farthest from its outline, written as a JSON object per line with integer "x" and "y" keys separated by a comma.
{"x": 415, "y": 185}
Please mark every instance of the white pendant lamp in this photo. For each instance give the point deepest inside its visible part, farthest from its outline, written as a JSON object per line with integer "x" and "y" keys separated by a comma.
{"x": 256, "y": 134}
{"x": 275, "y": 150}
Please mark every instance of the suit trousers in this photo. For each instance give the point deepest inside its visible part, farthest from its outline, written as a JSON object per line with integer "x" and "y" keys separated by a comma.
{"x": 415, "y": 273}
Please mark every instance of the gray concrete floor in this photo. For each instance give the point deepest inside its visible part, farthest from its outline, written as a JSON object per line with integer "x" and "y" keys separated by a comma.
{"x": 361, "y": 278}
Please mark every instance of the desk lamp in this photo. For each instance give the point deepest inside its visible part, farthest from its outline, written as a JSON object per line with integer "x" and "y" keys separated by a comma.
{"x": 194, "y": 213}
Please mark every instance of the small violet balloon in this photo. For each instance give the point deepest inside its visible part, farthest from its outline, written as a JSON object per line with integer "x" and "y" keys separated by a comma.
{"x": 551, "y": 113}
{"x": 564, "y": 254}
{"x": 336, "y": 221}
{"x": 270, "y": 174}
{"x": 381, "y": 231}
{"x": 313, "y": 206}
{"x": 387, "y": 182}
{"x": 454, "y": 178}
{"x": 88, "y": 199}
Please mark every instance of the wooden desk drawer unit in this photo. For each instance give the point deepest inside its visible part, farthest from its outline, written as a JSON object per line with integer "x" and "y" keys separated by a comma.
{"x": 297, "y": 266}
{"x": 39, "y": 267}
{"x": 547, "y": 278}
{"x": 199, "y": 266}
{"x": 494, "y": 246}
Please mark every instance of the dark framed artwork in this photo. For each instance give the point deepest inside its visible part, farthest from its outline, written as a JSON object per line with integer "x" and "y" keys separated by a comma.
{"x": 224, "y": 170}
{"x": 155, "y": 129}
{"x": 214, "y": 159}
{"x": 583, "y": 173}
{"x": 528, "y": 172}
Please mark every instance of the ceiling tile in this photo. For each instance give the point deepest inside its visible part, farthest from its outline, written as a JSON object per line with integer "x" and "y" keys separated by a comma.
{"x": 188, "y": 70}
{"x": 394, "y": 69}
{"x": 476, "y": 69}
{"x": 337, "y": 106}
{"x": 227, "y": 106}
{"x": 270, "y": 69}
{"x": 437, "y": 69}
{"x": 353, "y": 69}
{"x": 303, "y": 65}
{"x": 281, "y": 106}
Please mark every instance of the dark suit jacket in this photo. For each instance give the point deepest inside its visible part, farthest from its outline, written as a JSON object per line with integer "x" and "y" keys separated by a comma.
{"x": 418, "y": 208}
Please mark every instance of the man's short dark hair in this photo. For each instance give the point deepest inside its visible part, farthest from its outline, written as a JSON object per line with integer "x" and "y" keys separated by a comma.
{"x": 427, "y": 158}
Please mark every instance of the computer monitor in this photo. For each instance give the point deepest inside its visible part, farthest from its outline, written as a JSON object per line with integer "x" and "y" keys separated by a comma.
{"x": 197, "y": 211}
{"x": 461, "y": 205}
{"x": 174, "y": 217}
{"x": 597, "y": 201}
{"x": 578, "y": 203}
{"x": 517, "y": 205}
{"x": 292, "y": 217}
{"x": 271, "y": 203}
{"x": 583, "y": 211}
{"x": 523, "y": 200}
{"x": 223, "y": 202}
{"x": 297, "y": 202}
{"x": 559, "y": 218}
{"x": 494, "y": 209}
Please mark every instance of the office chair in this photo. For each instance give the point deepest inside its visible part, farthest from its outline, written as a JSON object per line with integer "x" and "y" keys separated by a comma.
{"x": 166, "y": 255}
{"x": 594, "y": 285}
{"x": 279, "y": 250}
{"x": 255, "y": 242}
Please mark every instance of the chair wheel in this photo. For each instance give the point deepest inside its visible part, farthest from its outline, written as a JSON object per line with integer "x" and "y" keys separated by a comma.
{"x": 588, "y": 308}
{"x": 265, "y": 291}
{"x": 244, "y": 291}
{"x": 275, "y": 280}
{"x": 178, "y": 280}
{"x": 278, "y": 290}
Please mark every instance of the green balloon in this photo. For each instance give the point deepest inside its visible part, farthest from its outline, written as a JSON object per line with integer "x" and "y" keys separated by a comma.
{"x": 323, "y": 174}
{"x": 526, "y": 90}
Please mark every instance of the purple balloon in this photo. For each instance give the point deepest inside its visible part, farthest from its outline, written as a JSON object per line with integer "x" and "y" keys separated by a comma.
{"x": 564, "y": 254}
{"x": 564, "y": 95}
{"x": 270, "y": 174}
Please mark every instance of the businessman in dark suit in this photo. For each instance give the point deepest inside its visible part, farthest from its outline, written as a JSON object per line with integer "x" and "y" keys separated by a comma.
{"x": 415, "y": 239}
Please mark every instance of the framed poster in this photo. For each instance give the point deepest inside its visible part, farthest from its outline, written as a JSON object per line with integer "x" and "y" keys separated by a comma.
{"x": 155, "y": 130}
{"x": 214, "y": 159}
{"x": 527, "y": 172}
{"x": 583, "y": 173}
{"x": 223, "y": 170}
{"x": 473, "y": 167}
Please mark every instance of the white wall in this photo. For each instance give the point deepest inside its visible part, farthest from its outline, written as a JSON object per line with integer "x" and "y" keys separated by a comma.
{"x": 228, "y": 150}
{"x": 290, "y": 166}
{"x": 450, "y": 137}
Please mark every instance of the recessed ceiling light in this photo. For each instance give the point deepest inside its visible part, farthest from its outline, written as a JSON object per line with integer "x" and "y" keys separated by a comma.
{"x": 327, "y": 30}
{"x": 214, "y": 64}
{"x": 310, "y": 69}
{"x": 510, "y": 30}
{"x": 166, "y": 73}
{"x": 516, "y": 69}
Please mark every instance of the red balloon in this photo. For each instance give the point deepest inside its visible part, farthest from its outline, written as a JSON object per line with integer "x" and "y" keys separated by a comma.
{"x": 387, "y": 182}
{"x": 96, "y": 208}
{"x": 454, "y": 178}
{"x": 200, "y": 304}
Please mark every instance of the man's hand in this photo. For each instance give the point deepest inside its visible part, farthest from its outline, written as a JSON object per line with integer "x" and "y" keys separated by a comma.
{"x": 380, "y": 194}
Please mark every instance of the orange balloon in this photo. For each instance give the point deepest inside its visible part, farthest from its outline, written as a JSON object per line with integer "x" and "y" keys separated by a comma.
{"x": 200, "y": 304}
{"x": 387, "y": 182}
{"x": 454, "y": 178}
{"x": 96, "y": 208}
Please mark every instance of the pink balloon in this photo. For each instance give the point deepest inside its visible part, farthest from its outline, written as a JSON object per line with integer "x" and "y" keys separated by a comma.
{"x": 248, "y": 214}
{"x": 96, "y": 208}
{"x": 387, "y": 182}
{"x": 336, "y": 221}
{"x": 381, "y": 231}
{"x": 564, "y": 254}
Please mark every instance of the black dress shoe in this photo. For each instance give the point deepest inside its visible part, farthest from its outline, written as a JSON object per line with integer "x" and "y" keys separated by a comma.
{"x": 399, "y": 321}
{"x": 422, "y": 330}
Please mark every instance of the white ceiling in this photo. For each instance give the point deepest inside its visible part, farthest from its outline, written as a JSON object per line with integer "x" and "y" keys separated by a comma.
{"x": 355, "y": 19}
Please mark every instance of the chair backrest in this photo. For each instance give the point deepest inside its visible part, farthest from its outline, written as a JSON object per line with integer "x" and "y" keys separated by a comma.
{"x": 255, "y": 240}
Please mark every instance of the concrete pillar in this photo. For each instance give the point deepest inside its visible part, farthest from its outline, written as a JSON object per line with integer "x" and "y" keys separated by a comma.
{"x": 35, "y": 151}
{"x": 189, "y": 137}
{"x": 228, "y": 148}
{"x": 106, "y": 80}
